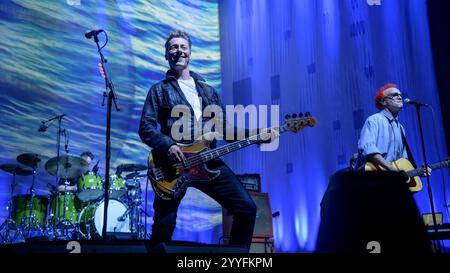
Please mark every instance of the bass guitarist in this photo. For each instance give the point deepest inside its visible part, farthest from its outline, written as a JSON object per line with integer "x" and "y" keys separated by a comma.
{"x": 182, "y": 87}
{"x": 382, "y": 140}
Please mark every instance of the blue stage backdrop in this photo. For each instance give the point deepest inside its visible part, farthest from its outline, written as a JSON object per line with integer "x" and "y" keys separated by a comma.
{"x": 49, "y": 68}
{"x": 327, "y": 57}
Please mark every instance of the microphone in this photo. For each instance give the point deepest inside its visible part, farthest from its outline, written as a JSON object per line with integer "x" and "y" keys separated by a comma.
{"x": 90, "y": 33}
{"x": 43, "y": 127}
{"x": 408, "y": 101}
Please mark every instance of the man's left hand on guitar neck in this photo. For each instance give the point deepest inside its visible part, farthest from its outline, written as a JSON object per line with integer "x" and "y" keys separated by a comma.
{"x": 268, "y": 135}
{"x": 425, "y": 170}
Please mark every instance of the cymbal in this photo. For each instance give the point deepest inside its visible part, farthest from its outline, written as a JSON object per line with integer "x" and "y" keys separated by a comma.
{"x": 31, "y": 159}
{"x": 15, "y": 169}
{"x": 131, "y": 167}
{"x": 69, "y": 166}
{"x": 134, "y": 175}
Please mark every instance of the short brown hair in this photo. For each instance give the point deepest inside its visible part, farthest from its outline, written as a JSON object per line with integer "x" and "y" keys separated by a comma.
{"x": 178, "y": 34}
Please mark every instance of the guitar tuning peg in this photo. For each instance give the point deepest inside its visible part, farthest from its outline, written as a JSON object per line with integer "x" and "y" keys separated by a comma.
{"x": 300, "y": 114}
{"x": 307, "y": 114}
{"x": 287, "y": 116}
{"x": 294, "y": 115}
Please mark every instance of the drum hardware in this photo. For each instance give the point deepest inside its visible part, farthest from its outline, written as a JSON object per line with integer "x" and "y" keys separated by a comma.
{"x": 31, "y": 221}
{"x": 64, "y": 213}
{"x": 9, "y": 223}
{"x": 133, "y": 168}
{"x": 134, "y": 199}
{"x": 34, "y": 161}
{"x": 69, "y": 216}
{"x": 134, "y": 175}
{"x": 58, "y": 217}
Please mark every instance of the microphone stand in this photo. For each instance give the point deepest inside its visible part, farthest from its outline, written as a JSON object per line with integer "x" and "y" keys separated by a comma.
{"x": 58, "y": 147}
{"x": 430, "y": 193}
{"x": 111, "y": 98}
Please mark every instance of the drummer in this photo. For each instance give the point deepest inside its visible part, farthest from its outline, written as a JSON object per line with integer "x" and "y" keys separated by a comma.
{"x": 70, "y": 184}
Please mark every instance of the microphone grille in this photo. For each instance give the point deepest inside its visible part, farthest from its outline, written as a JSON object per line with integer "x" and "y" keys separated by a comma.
{"x": 407, "y": 100}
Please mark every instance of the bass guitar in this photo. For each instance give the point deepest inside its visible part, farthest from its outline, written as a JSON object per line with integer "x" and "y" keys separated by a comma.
{"x": 169, "y": 179}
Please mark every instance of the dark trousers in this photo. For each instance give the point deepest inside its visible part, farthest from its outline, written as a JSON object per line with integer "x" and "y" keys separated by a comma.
{"x": 225, "y": 190}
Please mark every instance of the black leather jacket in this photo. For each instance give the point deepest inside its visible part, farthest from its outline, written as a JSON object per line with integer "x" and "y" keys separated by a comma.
{"x": 161, "y": 98}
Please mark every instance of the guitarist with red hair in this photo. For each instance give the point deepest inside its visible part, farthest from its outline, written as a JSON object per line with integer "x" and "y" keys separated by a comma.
{"x": 382, "y": 140}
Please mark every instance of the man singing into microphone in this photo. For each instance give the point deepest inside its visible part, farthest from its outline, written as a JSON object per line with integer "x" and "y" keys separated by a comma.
{"x": 181, "y": 86}
{"x": 382, "y": 136}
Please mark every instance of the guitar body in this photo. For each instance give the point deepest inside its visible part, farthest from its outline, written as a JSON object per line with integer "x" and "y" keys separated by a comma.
{"x": 176, "y": 178}
{"x": 403, "y": 164}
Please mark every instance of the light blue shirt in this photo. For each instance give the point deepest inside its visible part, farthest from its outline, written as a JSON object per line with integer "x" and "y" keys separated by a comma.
{"x": 382, "y": 134}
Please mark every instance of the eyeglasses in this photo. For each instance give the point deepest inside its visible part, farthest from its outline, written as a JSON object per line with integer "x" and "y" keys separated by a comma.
{"x": 393, "y": 96}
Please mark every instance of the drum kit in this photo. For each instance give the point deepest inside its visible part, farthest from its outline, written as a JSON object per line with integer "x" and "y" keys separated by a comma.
{"x": 72, "y": 214}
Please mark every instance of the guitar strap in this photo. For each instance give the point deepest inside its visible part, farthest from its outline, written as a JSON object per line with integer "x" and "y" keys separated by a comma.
{"x": 408, "y": 150}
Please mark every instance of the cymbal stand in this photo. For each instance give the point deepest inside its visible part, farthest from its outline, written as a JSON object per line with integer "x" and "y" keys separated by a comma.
{"x": 142, "y": 233}
{"x": 9, "y": 224}
{"x": 31, "y": 219}
{"x": 63, "y": 221}
{"x": 49, "y": 225}
{"x": 135, "y": 211}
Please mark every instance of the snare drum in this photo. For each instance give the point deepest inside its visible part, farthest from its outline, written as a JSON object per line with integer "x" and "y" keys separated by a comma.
{"x": 38, "y": 217}
{"x": 90, "y": 187}
{"x": 117, "y": 187}
{"x": 67, "y": 213}
{"x": 91, "y": 219}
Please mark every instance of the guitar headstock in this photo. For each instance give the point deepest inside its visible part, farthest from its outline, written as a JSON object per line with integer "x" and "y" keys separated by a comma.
{"x": 296, "y": 122}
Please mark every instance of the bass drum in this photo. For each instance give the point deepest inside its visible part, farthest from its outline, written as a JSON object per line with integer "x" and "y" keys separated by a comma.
{"x": 91, "y": 219}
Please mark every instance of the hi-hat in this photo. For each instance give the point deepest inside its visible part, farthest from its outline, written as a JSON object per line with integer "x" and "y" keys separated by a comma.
{"x": 134, "y": 175}
{"x": 131, "y": 167}
{"x": 69, "y": 166}
{"x": 31, "y": 160}
{"x": 15, "y": 169}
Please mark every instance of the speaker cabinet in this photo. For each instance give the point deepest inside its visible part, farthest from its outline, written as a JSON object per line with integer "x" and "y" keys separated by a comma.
{"x": 262, "y": 241}
{"x": 361, "y": 210}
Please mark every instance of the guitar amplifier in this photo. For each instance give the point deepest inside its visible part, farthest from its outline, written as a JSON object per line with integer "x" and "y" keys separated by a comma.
{"x": 251, "y": 182}
{"x": 262, "y": 241}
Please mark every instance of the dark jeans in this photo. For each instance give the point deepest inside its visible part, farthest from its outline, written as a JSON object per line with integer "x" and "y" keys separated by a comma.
{"x": 227, "y": 191}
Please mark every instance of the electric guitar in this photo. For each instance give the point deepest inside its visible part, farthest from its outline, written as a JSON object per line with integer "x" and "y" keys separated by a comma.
{"x": 403, "y": 164}
{"x": 169, "y": 179}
